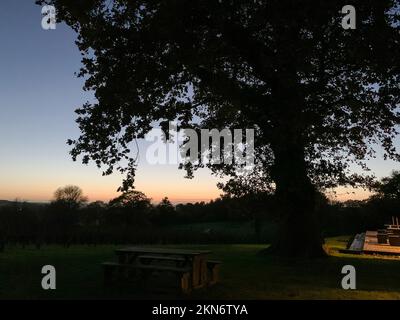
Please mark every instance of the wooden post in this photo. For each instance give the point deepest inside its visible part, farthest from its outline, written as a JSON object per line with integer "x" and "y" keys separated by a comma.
{"x": 196, "y": 271}
{"x": 214, "y": 274}
{"x": 199, "y": 271}
{"x": 185, "y": 283}
{"x": 204, "y": 271}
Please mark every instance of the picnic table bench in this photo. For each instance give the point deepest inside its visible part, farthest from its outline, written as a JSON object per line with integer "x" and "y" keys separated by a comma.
{"x": 183, "y": 273}
{"x": 190, "y": 266}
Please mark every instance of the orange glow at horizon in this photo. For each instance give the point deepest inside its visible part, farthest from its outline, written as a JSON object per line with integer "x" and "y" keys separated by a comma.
{"x": 182, "y": 192}
{"x": 46, "y": 195}
{"x": 156, "y": 183}
{"x": 345, "y": 193}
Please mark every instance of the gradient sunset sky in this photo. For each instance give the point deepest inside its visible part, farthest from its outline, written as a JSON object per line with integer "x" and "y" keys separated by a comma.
{"x": 38, "y": 95}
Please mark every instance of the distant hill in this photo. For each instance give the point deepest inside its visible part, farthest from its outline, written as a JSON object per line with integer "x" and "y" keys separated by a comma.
{"x": 4, "y": 203}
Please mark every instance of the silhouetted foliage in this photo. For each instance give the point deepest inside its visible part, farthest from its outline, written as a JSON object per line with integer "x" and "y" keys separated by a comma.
{"x": 389, "y": 187}
{"x": 94, "y": 213}
{"x": 164, "y": 212}
{"x": 131, "y": 208}
{"x": 70, "y": 196}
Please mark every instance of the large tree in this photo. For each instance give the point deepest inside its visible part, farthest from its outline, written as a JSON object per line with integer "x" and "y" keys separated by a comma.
{"x": 320, "y": 97}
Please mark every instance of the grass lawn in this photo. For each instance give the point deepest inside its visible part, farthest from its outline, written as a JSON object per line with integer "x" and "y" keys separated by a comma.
{"x": 244, "y": 275}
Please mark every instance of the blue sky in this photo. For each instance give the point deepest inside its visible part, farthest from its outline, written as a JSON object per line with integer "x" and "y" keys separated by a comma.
{"x": 38, "y": 95}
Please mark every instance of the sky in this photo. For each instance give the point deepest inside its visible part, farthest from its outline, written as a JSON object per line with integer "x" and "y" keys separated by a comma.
{"x": 38, "y": 95}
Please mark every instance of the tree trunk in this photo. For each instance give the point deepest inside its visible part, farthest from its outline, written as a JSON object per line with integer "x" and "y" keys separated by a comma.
{"x": 299, "y": 230}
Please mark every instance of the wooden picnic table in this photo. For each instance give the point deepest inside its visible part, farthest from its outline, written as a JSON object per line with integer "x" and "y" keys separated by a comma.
{"x": 196, "y": 259}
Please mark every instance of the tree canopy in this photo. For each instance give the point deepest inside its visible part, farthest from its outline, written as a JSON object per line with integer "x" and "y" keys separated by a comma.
{"x": 389, "y": 187}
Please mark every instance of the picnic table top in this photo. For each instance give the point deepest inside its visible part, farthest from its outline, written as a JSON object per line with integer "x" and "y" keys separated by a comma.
{"x": 170, "y": 251}
{"x": 393, "y": 227}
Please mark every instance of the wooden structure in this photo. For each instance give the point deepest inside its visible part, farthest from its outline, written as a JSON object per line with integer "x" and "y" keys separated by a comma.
{"x": 383, "y": 241}
{"x": 192, "y": 268}
{"x": 372, "y": 245}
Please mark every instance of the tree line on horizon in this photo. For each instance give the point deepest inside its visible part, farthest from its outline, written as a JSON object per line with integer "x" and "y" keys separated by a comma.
{"x": 133, "y": 218}
{"x": 70, "y": 219}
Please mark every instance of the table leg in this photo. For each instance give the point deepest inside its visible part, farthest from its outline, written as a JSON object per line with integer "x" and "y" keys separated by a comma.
{"x": 199, "y": 275}
{"x": 203, "y": 272}
{"x": 196, "y": 265}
